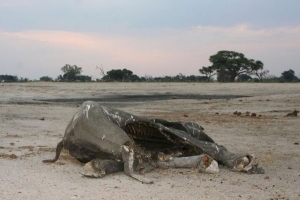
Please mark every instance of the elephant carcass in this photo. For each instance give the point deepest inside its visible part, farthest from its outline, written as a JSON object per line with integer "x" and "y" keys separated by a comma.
{"x": 111, "y": 140}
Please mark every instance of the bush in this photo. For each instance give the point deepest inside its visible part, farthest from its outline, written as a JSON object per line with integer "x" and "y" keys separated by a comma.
{"x": 46, "y": 78}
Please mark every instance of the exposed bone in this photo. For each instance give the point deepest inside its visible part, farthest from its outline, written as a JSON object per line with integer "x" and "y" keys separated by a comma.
{"x": 213, "y": 168}
{"x": 204, "y": 163}
{"x": 166, "y": 157}
{"x": 128, "y": 159}
{"x": 242, "y": 163}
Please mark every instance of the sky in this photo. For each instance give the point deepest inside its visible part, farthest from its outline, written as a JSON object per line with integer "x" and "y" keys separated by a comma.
{"x": 149, "y": 37}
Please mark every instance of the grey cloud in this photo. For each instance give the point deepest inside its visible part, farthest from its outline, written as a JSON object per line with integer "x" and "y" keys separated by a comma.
{"x": 117, "y": 15}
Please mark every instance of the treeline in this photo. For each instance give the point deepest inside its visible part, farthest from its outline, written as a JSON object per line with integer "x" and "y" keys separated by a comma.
{"x": 286, "y": 76}
{"x": 10, "y": 78}
{"x": 227, "y": 66}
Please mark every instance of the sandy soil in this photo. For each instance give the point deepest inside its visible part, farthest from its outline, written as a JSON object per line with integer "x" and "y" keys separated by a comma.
{"x": 30, "y": 130}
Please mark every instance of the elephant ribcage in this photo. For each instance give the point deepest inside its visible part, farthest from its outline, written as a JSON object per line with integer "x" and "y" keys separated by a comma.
{"x": 148, "y": 136}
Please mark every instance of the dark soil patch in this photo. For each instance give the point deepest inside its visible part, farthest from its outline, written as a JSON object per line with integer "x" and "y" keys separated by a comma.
{"x": 10, "y": 156}
{"x": 139, "y": 98}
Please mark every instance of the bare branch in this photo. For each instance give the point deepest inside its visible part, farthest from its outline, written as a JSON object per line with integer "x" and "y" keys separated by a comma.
{"x": 101, "y": 70}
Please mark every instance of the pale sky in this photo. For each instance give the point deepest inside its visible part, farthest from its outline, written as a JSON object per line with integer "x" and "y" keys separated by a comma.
{"x": 148, "y": 37}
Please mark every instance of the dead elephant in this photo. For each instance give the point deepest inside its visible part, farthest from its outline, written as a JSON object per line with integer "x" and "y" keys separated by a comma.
{"x": 110, "y": 140}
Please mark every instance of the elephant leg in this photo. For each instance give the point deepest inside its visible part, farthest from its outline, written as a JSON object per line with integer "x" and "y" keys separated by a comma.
{"x": 236, "y": 162}
{"x": 242, "y": 163}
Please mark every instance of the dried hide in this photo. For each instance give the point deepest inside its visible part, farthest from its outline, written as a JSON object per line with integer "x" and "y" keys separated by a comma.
{"x": 110, "y": 140}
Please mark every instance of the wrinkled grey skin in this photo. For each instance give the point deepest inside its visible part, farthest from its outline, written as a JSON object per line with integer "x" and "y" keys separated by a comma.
{"x": 110, "y": 140}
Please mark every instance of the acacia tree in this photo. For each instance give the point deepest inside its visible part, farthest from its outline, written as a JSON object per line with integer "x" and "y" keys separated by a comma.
{"x": 70, "y": 72}
{"x": 229, "y": 64}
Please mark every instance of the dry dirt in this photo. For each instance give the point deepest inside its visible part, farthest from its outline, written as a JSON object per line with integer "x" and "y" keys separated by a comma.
{"x": 30, "y": 129}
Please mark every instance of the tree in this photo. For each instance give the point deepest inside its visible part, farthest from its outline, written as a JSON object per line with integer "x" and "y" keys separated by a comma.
{"x": 257, "y": 69}
{"x": 191, "y": 78}
{"x": 120, "y": 75}
{"x": 59, "y": 78}
{"x": 21, "y": 79}
{"x": 46, "y": 78}
{"x": 70, "y": 72}
{"x": 126, "y": 74}
{"x": 229, "y": 64}
{"x": 101, "y": 71}
{"x": 180, "y": 77}
{"x": 289, "y": 76}
{"x": 134, "y": 78}
{"x": 83, "y": 78}
{"x": 261, "y": 74}
{"x": 208, "y": 71}
{"x": 223, "y": 75}
{"x": 115, "y": 74}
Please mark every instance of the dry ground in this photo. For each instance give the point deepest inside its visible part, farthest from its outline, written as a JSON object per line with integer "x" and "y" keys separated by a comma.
{"x": 30, "y": 130}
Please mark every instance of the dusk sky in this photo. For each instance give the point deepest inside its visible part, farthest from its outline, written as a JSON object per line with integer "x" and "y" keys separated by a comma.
{"x": 148, "y": 37}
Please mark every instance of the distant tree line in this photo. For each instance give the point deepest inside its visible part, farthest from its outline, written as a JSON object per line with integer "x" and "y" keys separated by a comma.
{"x": 126, "y": 75}
{"x": 227, "y": 66}
{"x": 10, "y": 78}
